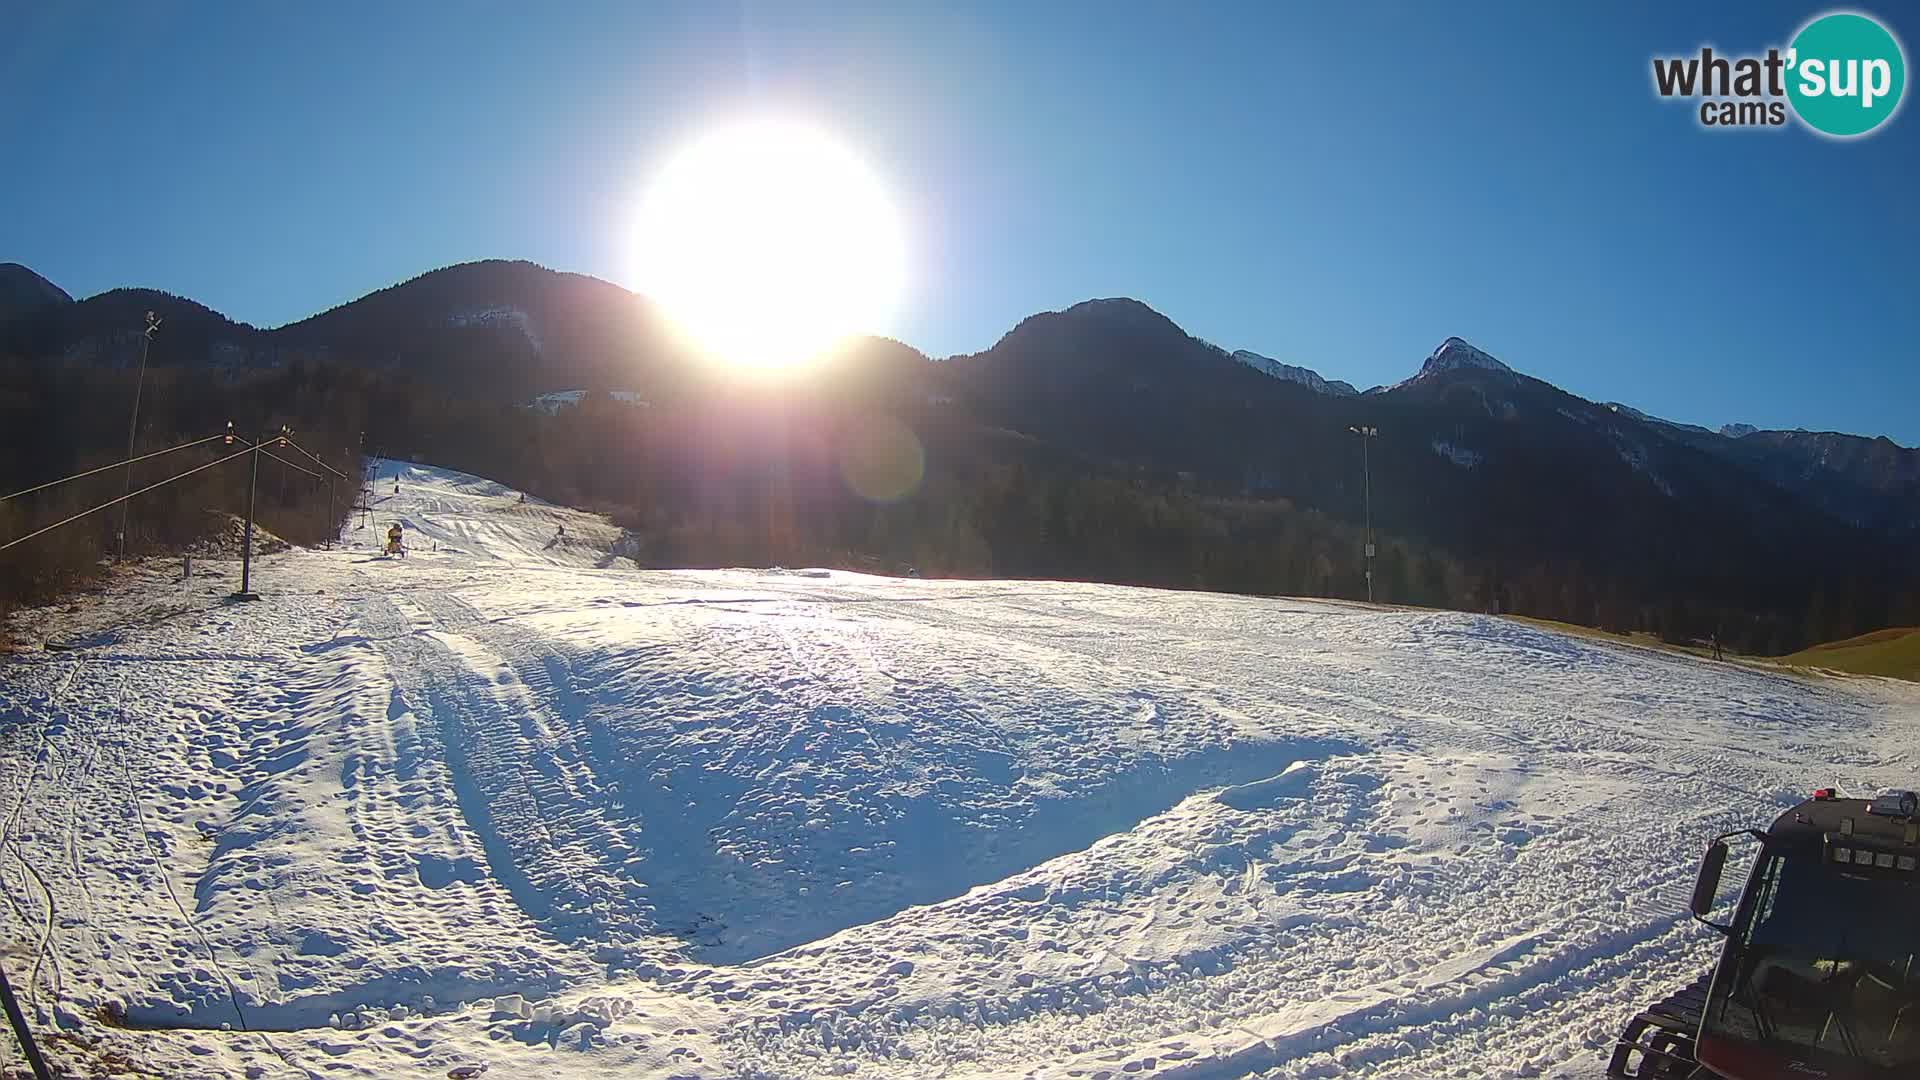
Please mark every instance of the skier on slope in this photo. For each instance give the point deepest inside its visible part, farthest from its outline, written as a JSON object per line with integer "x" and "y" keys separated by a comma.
{"x": 393, "y": 541}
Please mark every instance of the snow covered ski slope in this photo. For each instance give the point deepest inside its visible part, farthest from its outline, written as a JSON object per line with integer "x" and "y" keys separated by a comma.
{"x": 510, "y": 802}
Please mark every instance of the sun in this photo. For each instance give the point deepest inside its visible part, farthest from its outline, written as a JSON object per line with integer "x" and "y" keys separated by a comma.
{"x": 768, "y": 241}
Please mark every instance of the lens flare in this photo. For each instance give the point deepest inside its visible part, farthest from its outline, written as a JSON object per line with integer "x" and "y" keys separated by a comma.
{"x": 882, "y": 460}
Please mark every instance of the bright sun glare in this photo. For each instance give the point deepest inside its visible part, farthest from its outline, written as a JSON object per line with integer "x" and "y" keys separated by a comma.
{"x": 769, "y": 241}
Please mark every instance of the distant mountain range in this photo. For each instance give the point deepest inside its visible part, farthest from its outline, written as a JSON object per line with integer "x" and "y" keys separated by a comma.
{"x": 1472, "y": 455}
{"x": 1117, "y": 379}
{"x": 509, "y": 327}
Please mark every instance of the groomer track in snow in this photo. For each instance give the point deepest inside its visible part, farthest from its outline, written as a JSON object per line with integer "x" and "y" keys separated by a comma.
{"x": 513, "y": 802}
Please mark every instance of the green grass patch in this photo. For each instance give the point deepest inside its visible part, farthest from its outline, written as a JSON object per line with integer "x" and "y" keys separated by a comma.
{"x": 1893, "y": 652}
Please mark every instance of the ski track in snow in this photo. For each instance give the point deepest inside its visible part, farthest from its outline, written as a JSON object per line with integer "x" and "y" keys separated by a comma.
{"x": 510, "y": 801}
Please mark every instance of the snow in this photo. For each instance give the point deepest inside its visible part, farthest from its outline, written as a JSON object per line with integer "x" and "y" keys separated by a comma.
{"x": 1731, "y": 431}
{"x": 1289, "y": 373}
{"x": 1459, "y": 455}
{"x": 1454, "y": 354}
{"x": 552, "y": 403}
{"x": 515, "y": 803}
{"x": 500, "y": 315}
{"x": 1648, "y": 418}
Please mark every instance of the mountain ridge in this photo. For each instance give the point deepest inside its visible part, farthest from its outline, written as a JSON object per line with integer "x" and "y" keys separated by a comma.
{"x": 515, "y": 329}
{"x": 22, "y": 290}
{"x": 1454, "y": 353}
{"x": 1101, "y": 426}
{"x": 1306, "y": 377}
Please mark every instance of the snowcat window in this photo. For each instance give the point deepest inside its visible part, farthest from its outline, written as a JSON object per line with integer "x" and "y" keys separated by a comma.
{"x": 1826, "y": 961}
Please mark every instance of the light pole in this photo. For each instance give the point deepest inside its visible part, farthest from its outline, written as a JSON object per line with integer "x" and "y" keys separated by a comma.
{"x": 1367, "y": 435}
{"x": 133, "y": 425}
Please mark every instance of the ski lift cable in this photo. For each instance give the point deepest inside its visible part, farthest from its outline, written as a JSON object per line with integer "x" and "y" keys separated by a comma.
{"x": 316, "y": 459}
{"x": 106, "y": 468}
{"x": 262, "y": 446}
{"x": 290, "y": 464}
{"x": 124, "y": 498}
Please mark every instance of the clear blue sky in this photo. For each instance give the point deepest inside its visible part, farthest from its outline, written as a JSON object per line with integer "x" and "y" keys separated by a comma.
{"x": 1338, "y": 187}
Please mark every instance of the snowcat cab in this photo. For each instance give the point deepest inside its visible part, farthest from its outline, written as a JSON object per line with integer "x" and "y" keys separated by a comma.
{"x": 1820, "y": 974}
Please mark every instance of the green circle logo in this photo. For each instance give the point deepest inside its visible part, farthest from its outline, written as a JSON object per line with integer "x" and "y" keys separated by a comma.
{"x": 1845, "y": 74}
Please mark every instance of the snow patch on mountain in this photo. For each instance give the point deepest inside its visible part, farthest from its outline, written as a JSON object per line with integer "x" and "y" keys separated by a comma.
{"x": 1306, "y": 377}
{"x": 500, "y": 315}
{"x": 551, "y": 403}
{"x": 1459, "y": 455}
{"x": 1649, "y": 418}
{"x": 1454, "y": 354}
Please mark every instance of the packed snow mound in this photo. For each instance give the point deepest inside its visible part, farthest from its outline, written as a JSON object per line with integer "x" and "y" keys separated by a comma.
{"x": 504, "y": 806}
{"x": 1292, "y": 782}
{"x": 225, "y": 535}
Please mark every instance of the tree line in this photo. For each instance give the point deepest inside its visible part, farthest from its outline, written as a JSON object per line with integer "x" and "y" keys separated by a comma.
{"x": 849, "y": 470}
{"x": 60, "y": 420}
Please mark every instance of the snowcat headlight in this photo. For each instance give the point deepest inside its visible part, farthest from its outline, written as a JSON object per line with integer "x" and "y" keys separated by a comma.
{"x": 1842, "y": 855}
{"x": 1905, "y": 862}
{"x": 1899, "y": 804}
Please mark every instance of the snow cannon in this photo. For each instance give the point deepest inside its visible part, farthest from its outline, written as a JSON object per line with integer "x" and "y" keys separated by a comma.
{"x": 1819, "y": 974}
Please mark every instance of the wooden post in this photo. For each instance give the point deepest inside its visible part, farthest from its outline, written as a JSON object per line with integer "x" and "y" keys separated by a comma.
{"x": 246, "y": 542}
{"x": 21, "y": 1031}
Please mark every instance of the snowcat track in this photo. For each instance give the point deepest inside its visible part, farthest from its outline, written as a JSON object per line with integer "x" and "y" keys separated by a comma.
{"x": 1658, "y": 1043}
